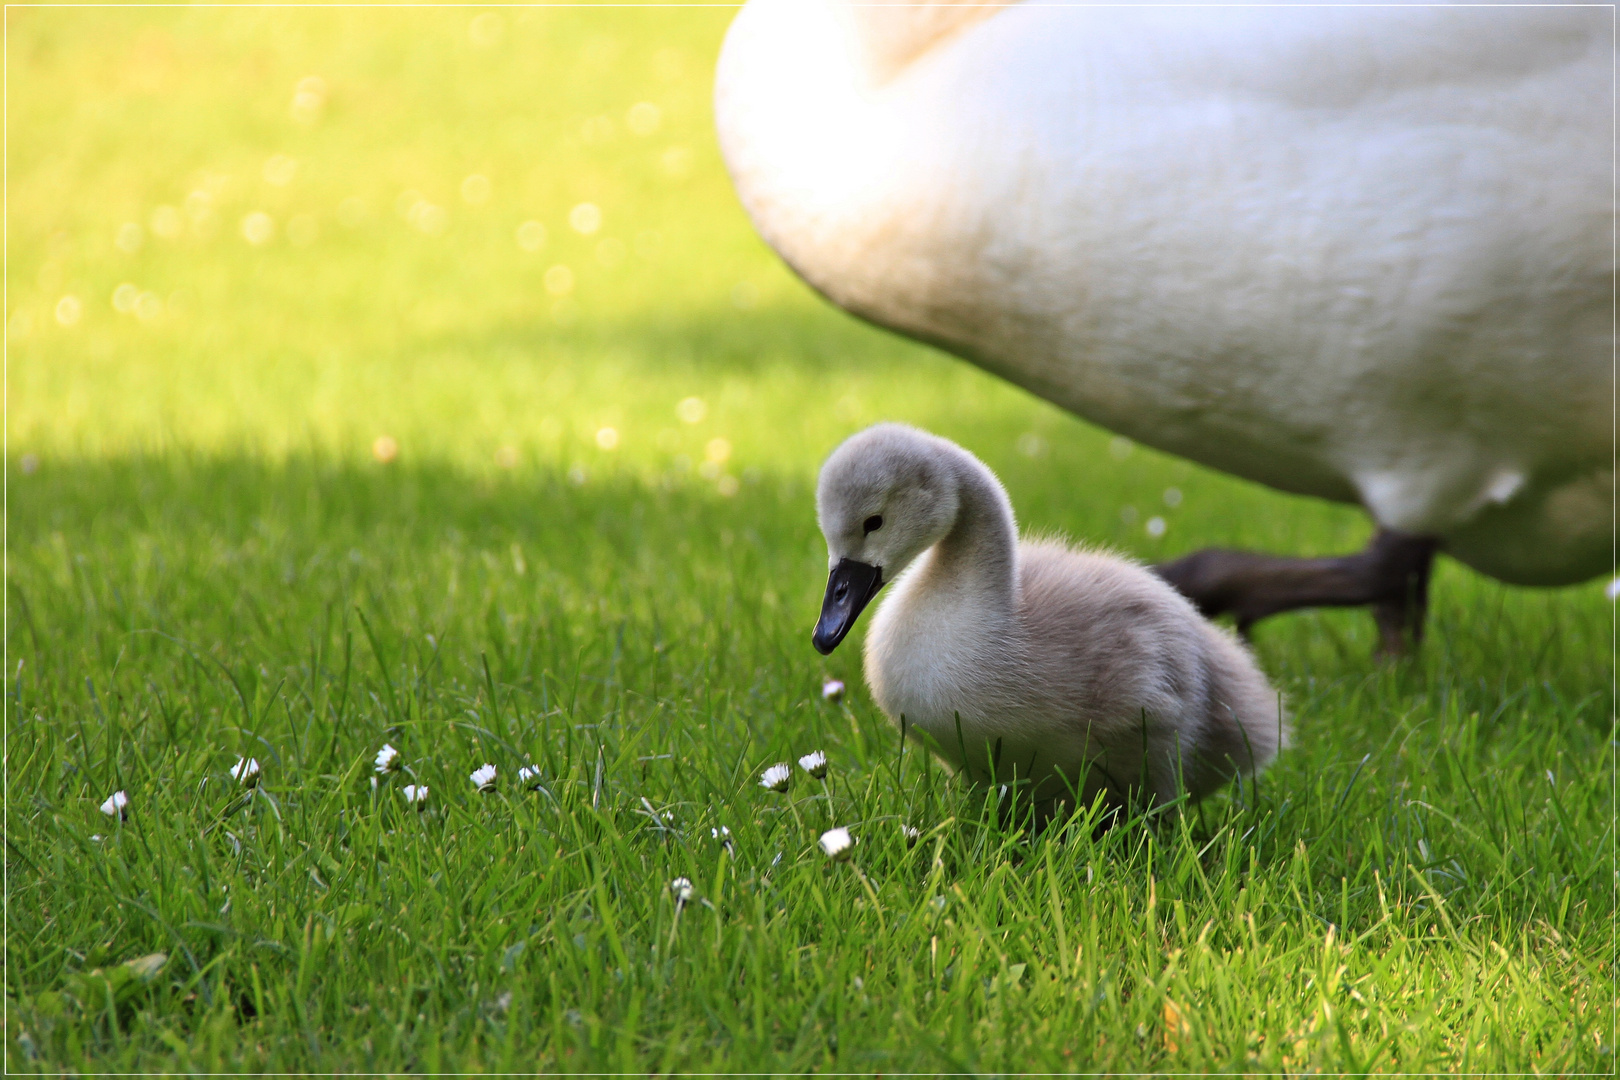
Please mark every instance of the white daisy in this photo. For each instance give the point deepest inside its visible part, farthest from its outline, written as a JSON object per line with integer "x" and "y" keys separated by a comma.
{"x": 832, "y": 690}
{"x": 388, "y": 760}
{"x": 776, "y": 777}
{"x": 529, "y": 777}
{"x": 814, "y": 763}
{"x": 836, "y": 844}
{"x": 722, "y": 834}
{"x": 682, "y": 890}
{"x": 246, "y": 772}
{"x": 484, "y": 778}
{"x": 116, "y": 806}
{"x": 911, "y": 834}
{"x": 416, "y": 795}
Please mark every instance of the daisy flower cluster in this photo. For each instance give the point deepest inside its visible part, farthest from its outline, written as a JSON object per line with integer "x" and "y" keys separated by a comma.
{"x": 836, "y": 844}
{"x": 246, "y": 773}
{"x": 485, "y": 779}
{"x": 779, "y": 777}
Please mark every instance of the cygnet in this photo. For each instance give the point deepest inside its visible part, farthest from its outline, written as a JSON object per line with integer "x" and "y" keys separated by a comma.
{"x": 1028, "y": 661}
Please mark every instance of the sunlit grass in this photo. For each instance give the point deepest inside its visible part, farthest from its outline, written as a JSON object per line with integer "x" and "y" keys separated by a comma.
{"x": 352, "y": 485}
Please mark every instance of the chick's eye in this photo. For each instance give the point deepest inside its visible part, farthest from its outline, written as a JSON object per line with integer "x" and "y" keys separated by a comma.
{"x": 874, "y": 523}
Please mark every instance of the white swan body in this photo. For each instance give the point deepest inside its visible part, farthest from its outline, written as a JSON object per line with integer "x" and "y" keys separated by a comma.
{"x": 1358, "y": 253}
{"x": 1074, "y": 670}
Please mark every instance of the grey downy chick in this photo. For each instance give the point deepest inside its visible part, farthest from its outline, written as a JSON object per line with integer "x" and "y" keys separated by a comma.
{"x": 1075, "y": 671}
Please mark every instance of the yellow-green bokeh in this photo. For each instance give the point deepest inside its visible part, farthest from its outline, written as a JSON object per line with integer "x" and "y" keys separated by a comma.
{"x": 388, "y": 292}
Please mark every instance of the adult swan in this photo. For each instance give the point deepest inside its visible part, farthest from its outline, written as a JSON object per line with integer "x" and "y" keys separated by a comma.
{"x": 1358, "y": 253}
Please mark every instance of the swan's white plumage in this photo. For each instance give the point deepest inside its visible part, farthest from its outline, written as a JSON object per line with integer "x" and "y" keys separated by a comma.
{"x": 1073, "y": 669}
{"x": 1359, "y": 253}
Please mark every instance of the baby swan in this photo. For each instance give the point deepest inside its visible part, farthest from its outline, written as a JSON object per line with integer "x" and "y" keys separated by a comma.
{"x": 1073, "y": 670}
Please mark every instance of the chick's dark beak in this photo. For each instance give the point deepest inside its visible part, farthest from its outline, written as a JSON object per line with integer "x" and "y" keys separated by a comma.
{"x": 850, "y": 587}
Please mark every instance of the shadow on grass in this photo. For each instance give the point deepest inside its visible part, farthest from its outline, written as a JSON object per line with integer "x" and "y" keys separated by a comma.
{"x": 91, "y": 537}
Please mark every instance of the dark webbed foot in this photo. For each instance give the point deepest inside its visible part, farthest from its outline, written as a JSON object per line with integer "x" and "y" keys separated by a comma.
{"x": 1392, "y": 575}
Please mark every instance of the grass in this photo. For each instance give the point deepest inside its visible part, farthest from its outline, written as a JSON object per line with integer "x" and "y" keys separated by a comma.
{"x": 207, "y": 560}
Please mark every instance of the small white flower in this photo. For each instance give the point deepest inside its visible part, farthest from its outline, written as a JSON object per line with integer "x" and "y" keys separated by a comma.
{"x": 681, "y": 888}
{"x": 836, "y": 843}
{"x": 832, "y": 690}
{"x": 96, "y": 838}
{"x": 116, "y": 806}
{"x": 529, "y": 777}
{"x": 246, "y": 772}
{"x": 388, "y": 760}
{"x": 776, "y": 777}
{"x": 722, "y": 834}
{"x": 416, "y": 795}
{"x": 911, "y": 834}
{"x": 814, "y": 763}
{"x": 484, "y": 778}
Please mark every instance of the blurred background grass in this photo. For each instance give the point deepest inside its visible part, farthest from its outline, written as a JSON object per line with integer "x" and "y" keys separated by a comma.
{"x": 450, "y": 317}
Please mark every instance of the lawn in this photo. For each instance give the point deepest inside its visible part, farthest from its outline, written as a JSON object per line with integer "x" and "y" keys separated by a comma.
{"x": 412, "y": 377}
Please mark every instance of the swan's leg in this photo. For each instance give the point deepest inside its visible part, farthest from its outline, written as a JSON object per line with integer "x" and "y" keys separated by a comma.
{"x": 1392, "y": 575}
{"x": 1400, "y": 615}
